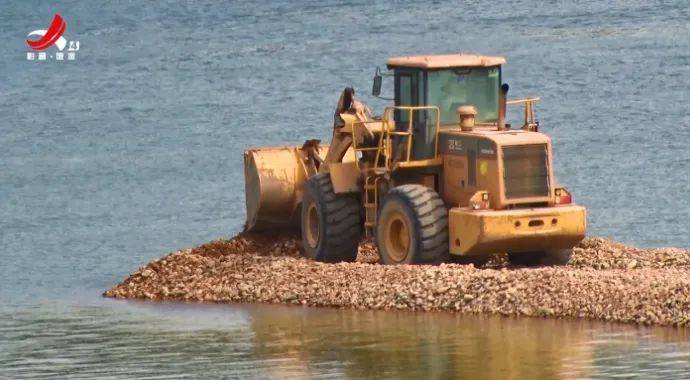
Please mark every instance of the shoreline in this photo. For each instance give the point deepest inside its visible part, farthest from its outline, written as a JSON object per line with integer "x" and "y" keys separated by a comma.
{"x": 604, "y": 281}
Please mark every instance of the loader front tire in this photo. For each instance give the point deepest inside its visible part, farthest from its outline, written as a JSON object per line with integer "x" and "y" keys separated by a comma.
{"x": 412, "y": 227}
{"x": 331, "y": 223}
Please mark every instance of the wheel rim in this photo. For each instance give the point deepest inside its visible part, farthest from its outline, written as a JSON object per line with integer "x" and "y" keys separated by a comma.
{"x": 397, "y": 237}
{"x": 312, "y": 226}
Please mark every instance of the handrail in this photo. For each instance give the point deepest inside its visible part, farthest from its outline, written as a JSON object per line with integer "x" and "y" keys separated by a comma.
{"x": 530, "y": 122}
{"x": 528, "y": 99}
{"x": 355, "y": 148}
{"x": 409, "y": 133}
{"x": 384, "y": 142}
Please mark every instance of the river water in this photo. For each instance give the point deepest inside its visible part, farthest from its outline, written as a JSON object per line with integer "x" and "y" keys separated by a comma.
{"x": 134, "y": 149}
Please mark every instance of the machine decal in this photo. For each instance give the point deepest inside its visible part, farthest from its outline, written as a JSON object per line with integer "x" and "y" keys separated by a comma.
{"x": 455, "y": 145}
{"x": 486, "y": 148}
{"x": 483, "y": 167}
{"x": 460, "y": 145}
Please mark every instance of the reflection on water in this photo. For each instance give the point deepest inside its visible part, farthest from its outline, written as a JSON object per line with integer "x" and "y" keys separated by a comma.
{"x": 138, "y": 339}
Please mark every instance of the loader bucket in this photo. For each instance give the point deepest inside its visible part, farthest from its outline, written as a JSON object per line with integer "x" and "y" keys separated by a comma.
{"x": 274, "y": 183}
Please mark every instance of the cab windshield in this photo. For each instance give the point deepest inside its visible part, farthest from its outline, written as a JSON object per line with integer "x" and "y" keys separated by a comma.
{"x": 451, "y": 88}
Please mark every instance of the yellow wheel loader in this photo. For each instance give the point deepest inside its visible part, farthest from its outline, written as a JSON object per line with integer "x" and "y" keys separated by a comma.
{"x": 441, "y": 175}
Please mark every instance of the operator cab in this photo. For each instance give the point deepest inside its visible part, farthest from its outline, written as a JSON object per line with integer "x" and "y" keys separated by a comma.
{"x": 484, "y": 153}
{"x": 447, "y": 82}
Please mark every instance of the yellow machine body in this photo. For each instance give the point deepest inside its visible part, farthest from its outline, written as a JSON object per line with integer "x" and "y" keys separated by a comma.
{"x": 528, "y": 219}
{"x": 497, "y": 183}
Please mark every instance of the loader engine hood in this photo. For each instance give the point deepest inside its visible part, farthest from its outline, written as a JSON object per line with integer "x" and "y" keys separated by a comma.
{"x": 514, "y": 167}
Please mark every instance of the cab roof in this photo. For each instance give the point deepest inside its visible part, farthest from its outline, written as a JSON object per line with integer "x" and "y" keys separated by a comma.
{"x": 445, "y": 61}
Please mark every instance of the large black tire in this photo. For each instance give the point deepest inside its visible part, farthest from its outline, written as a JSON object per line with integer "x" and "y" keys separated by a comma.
{"x": 412, "y": 227}
{"x": 331, "y": 223}
{"x": 531, "y": 259}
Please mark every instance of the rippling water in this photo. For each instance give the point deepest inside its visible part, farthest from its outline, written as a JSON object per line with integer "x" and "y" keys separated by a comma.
{"x": 134, "y": 150}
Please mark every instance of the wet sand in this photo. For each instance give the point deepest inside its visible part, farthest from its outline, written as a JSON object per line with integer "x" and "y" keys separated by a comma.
{"x": 604, "y": 280}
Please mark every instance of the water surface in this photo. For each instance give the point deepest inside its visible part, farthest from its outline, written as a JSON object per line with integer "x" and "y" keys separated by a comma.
{"x": 167, "y": 340}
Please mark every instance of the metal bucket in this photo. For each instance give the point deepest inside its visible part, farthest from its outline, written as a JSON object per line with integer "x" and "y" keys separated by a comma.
{"x": 274, "y": 184}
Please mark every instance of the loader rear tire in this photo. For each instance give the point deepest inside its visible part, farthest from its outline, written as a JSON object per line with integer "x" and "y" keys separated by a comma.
{"x": 412, "y": 227}
{"x": 331, "y": 223}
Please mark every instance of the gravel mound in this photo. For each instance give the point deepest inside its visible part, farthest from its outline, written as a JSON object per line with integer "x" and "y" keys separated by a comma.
{"x": 605, "y": 280}
{"x": 601, "y": 253}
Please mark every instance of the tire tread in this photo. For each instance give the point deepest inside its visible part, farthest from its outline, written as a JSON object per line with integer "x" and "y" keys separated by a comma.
{"x": 343, "y": 221}
{"x": 430, "y": 224}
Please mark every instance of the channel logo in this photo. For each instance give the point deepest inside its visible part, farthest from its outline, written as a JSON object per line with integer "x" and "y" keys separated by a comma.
{"x": 41, "y": 40}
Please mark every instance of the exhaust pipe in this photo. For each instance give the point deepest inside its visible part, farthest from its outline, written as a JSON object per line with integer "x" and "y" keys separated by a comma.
{"x": 502, "y": 106}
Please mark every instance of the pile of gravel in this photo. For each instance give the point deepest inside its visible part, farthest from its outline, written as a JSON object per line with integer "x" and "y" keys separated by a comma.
{"x": 605, "y": 280}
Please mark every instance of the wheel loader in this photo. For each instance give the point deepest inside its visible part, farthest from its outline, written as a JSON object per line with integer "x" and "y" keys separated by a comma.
{"x": 442, "y": 177}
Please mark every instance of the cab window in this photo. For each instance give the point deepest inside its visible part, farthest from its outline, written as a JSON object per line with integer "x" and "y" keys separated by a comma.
{"x": 450, "y": 88}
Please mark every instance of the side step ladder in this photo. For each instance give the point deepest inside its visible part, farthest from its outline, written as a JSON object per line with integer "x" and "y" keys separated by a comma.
{"x": 371, "y": 203}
